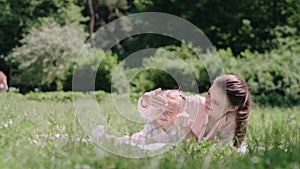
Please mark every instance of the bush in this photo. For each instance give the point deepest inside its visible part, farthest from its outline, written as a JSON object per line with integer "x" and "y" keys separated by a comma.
{"x": 53, "y": 96}
{"x": 60, "y": 96}
{"x": 273, "y": 78}
{"x": 46, "y": 53}
{"x": 170, "y": 67}
{"x": 93, "y": 63}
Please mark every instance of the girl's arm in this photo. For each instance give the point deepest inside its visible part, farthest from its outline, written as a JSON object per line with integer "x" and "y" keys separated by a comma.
{"x": 145, "y": 111}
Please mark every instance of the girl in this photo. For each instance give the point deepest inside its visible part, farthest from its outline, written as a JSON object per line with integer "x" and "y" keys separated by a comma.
{"x": 161, "y": 127}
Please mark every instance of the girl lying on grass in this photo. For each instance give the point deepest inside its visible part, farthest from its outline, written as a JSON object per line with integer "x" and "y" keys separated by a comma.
{"x": 164, "y": 125}
{"x": 169, "y": 121}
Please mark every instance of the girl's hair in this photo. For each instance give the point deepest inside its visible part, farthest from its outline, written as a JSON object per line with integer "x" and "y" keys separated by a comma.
{"x": 175, "y": 96}
{"x": 238, "y": 94}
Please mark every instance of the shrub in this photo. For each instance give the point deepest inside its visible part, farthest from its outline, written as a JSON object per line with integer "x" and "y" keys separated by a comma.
{"x": 60, "y": 96}
{"x": 170, "y": 67}
{"x": 53, "y": 96}
{"x": 93, "y": 63}
{"x": 46, "y": 53}
{"x": 273, "y": 78}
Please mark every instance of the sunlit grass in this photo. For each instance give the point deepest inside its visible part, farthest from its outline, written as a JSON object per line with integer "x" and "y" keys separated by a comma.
{"x": 46, "y": 134}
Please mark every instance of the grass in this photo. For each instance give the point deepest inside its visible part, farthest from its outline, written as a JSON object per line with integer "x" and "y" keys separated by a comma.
{"x": 29, "y": 139}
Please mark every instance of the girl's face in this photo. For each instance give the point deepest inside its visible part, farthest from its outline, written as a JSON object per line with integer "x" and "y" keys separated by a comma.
{"x": 168, "y": 117}
{"x": 216, "y": 102}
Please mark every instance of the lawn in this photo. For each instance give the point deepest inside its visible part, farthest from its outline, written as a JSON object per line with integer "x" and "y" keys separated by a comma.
{"x": 46, "y": 133}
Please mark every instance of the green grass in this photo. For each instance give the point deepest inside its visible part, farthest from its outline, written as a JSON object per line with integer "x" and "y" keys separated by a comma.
{"x": 28, "y": 126}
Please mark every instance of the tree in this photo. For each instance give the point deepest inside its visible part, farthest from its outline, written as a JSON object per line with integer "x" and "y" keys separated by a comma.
{"x": 240, "y": 25}
{"x": 17, "y": 18}
{"x": 93, "y": 71}
{"x": 101, "y": 12}
{"x": 46, "y": 53}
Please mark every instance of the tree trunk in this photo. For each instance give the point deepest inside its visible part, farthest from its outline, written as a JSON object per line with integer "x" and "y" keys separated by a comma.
{"x": 92, "y": 21}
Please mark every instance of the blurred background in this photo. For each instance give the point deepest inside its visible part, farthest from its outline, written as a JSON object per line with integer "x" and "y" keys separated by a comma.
{"x": 257, "y": 40}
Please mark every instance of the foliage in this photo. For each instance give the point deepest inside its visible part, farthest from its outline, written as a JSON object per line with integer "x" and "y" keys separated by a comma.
{"x": 53, "y": 96}
{"x": 93, "y": 65}
{"x": 252, "y": 32}
{"x": 248, "y": 25}
{"x": 105, "y": 10}
{"x": 101, "y": 12}
{"x": 45, "y": 54}
{"x": 70, "y": 13}
{"x": 100, "y": 95}
{"x": 273, "y": 82}
{"x": 60, "y": 96}
{"x": 169, "y": 68}
{"x": 105, "y": 71}
{"x": 273, "y": 77}
{"x": 18, "y": 17}
{"x": 46, "y": 134}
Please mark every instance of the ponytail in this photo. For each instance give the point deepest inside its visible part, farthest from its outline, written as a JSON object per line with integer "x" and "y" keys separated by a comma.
{"x": 241, "y": 120}
{"x": 239, "y": 95}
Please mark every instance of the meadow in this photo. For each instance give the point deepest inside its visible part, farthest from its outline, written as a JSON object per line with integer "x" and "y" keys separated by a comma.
{"x": 42, "y": 131}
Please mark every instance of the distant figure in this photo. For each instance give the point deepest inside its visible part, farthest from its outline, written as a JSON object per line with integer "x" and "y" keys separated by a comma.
{"x": 3, "y": 82}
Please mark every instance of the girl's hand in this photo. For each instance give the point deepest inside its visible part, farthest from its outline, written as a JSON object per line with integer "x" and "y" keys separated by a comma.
{"x": 155, "y": 99}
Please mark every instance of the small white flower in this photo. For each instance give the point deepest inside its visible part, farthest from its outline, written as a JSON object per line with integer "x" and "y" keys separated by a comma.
{"x": 243, "y": 149}
{"x": 57, "y": 135}
{"x": 255, "y": 159}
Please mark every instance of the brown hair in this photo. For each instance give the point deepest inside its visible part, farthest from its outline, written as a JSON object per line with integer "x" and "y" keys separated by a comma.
{"x": 238, "y": 94}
